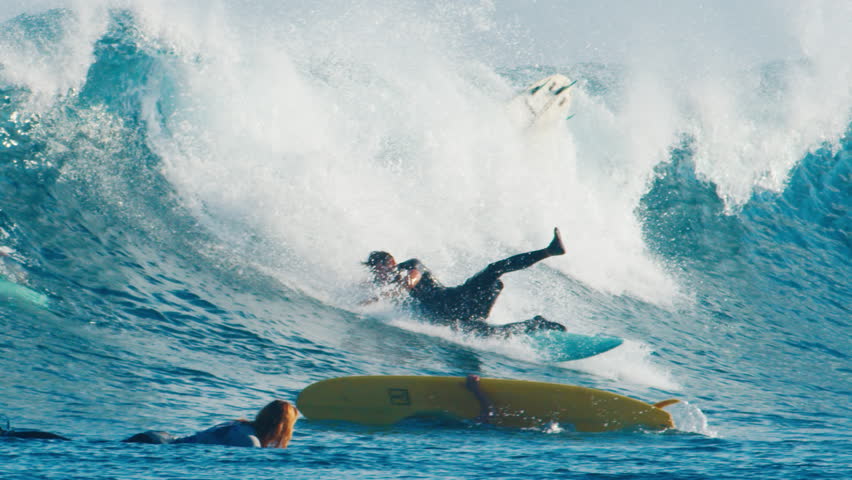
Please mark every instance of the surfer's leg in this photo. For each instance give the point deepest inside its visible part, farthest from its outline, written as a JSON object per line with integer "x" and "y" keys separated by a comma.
{"x": 474, "y": 327}
{"x": 151, "y": 436}
{"x": 476, "y": 297}
{"x": 535, "y": 324}
{"x": 539, "y": 323}
{"x": 525, "y": 260}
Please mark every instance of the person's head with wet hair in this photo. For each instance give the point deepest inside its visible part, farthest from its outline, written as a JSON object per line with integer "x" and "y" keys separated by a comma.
{"x": 274, "y": 424}
{"x": 382, "y": 265}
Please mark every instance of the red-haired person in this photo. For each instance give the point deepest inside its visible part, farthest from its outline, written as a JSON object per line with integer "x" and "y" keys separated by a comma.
{"x": 271, "y": 428}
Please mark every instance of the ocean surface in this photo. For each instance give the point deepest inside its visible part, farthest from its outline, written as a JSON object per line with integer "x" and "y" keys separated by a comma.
{"x": 193, "y": 186}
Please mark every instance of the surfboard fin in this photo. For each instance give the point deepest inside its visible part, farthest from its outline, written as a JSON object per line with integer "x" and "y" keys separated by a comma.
{"x": 666, "y": 403}
{"x": 566, "y": 87}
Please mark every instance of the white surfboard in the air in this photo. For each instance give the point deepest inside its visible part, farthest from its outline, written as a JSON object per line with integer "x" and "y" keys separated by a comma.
{"x": 543, "y": 104}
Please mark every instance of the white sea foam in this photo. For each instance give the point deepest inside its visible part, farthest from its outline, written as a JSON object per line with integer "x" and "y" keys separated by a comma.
{"x": 689, "y": 418}
{"x": 629, "y": 363}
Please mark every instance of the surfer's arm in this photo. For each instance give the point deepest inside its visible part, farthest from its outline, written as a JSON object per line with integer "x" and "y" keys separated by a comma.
{"x": 411, "y": 279}
{"x": 369, "y": 301}
{"x": 410, "y": 273}
{"x": 401, "y": 284}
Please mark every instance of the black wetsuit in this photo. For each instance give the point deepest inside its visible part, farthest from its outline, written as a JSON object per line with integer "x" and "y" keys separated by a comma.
{"x": 235, "y": 433}
{"x": 30, "y": 434}
{"x": 466, "y": 306}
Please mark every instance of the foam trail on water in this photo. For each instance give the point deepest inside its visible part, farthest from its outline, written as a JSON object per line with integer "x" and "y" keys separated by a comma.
{"x": 690, "y": 419}
{"x": 630, "y": 362}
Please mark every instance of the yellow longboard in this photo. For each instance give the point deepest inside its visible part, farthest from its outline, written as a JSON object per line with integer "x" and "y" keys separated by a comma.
{"x": 384, "y": 400}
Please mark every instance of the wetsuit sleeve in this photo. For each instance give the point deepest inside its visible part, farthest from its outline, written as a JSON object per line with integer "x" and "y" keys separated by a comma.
{"x": 404, "y": 270}
{"x": 237, "y": 438}
{"x": 241, "y": 435}
{"x": 412, "y": 264}
{"x": 427, "y": 284}
{"x": 234, "y": 434}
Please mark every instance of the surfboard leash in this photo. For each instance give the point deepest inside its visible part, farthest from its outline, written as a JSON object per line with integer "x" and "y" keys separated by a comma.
{"x": 486, "y": 408}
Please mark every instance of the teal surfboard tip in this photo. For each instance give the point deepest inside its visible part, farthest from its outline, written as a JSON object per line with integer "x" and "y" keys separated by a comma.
{"x": 565, "y": 346}
{"x": 12, "y": 291}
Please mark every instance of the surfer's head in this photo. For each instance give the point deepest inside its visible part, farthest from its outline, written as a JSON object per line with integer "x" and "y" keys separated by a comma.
{"x": 274, "y": 424}
{"x": 382, "y": 264}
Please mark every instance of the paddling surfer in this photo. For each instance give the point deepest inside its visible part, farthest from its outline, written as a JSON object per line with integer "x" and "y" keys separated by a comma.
{"x": 465, "y": 306}
{"x": 272, "y": 427}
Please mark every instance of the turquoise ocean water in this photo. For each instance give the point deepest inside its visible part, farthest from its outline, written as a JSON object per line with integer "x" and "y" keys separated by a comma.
{"x": 193, "y": 186}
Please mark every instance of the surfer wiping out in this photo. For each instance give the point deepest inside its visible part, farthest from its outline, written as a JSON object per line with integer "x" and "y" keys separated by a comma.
{"x": 465, "y": 306}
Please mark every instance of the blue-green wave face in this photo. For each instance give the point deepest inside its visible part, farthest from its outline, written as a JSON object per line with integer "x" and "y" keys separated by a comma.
{"x": 187, "y": 192}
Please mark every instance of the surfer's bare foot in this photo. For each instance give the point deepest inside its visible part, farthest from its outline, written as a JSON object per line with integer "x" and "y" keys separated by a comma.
{"x": 556, "y": 247}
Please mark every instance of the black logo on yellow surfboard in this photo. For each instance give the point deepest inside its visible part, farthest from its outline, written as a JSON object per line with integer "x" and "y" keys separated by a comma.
{"x": 399, "y": 396}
